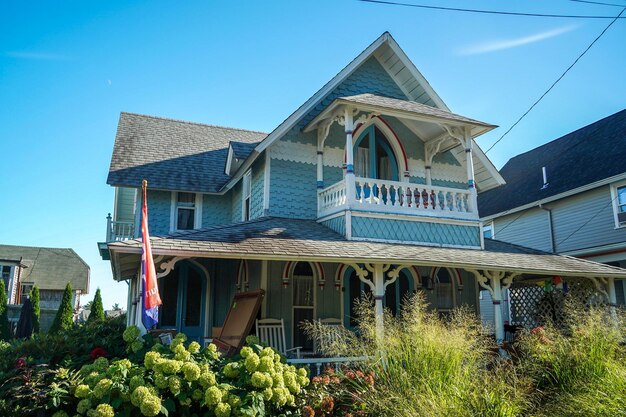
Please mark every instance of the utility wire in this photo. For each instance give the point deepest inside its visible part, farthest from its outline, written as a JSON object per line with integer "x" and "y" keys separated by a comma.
{"x": 558, "y": 79}
{"x": 498, "y": 12}
{"x": 597, "y": 2}
{"x": 587, "y": 222}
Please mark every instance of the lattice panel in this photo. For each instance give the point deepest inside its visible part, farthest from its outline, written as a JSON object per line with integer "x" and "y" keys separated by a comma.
{"x": 532, "y": 306}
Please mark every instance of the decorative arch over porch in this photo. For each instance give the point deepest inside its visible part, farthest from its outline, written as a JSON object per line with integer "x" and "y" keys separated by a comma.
{"x": 316, "y": 267}
{"x": 455, "y": 274}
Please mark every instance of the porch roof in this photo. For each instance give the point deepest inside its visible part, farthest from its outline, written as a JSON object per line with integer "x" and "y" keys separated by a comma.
{"x": 291, "y": 239}
{"x": 401, "y": 108}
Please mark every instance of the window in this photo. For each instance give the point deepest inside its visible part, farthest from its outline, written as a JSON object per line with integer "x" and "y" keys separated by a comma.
{"x": 247, "y": 191}
{"x": 488, "y": 230}
{"x": 26, "y": 289}
{"x": 618, "y": 194}
{"x": 445, "y": 299}
{"x": 373, "y": 157}
{"x": 185, "y": 211}
{"x": 6, "y": 276}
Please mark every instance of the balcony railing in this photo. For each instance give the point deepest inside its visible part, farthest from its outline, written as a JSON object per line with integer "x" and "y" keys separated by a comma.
{"x": 399, "y": 198}
{"x": 117, "y": 230}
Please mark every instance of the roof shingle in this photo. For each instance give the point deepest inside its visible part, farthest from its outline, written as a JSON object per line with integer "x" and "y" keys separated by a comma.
{"x": 173, "y": 154}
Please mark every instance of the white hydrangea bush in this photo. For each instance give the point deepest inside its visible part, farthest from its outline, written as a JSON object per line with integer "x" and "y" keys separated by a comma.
{"x": 183, "y": 379}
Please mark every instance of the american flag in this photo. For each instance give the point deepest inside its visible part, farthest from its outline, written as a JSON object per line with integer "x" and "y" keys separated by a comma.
{"x": 151, "y": 298}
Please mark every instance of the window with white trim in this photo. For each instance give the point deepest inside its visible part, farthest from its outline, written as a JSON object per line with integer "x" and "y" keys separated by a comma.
{"x": 5, "y": 270}
{"x": 618, "y": 193}
{"x": 246, "y": 194}
{"x": 185, "y": 211}
{"x": 488, "y": 230}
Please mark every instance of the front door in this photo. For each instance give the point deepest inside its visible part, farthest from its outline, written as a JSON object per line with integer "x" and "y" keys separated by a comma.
{"x": 183, "y": 292}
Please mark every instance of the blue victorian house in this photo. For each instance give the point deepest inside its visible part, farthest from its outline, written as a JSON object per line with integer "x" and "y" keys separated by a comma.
{"x": 369, "y": 187}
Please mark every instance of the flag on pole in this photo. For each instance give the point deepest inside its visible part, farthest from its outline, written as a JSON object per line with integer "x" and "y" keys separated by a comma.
{"x": 151, "y": 298}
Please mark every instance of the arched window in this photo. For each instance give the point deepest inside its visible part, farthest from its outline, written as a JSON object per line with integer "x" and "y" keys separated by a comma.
{"x": 354, "y": 289}
{"x": 444, "y": 286}
{"x": 303, "y": 303}
{"x": 373, "y": 156}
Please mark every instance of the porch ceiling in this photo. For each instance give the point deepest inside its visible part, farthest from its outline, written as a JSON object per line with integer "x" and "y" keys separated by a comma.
{"x": 290, "y": 239}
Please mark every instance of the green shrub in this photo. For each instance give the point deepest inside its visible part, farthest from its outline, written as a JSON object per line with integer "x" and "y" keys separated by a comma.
{"x": 63, "y": 319}
{"x": 34, "y": 298}
{"x": 4, "y": 315}
{"x": 580, "y": 368}
{"x": 97, "y": 310}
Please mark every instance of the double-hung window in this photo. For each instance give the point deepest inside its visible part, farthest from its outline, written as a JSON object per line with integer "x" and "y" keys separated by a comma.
{"x": 185, "y": 211}
{"x": 618, "y": 193}
{"x": 247, "y": 192}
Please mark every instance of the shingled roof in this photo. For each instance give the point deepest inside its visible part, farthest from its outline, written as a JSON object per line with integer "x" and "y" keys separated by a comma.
{"x": 49, "y": 268}
{"x": 173, "y": 154}
{"x": 587, "y": 155}
{"x": 289, "y": 239}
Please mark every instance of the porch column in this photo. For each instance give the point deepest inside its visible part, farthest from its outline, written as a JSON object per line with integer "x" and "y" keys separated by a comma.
{"x": 320, "y": 169}
{"x": 610, "y": 286}
{"x": 429, "y": 180}
{"x": 350, "y": 186}
{"x": 379, "y": 295}
{"x": 497, "y": 310}
{"x": 469, "y": 162}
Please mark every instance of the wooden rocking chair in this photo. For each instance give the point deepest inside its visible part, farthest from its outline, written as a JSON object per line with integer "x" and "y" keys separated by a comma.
{"x": 272, "y": 333}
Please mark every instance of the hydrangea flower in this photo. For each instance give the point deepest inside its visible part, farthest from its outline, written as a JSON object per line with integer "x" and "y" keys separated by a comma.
{"x": 231, "y": 370}
{"x": 82, "y": 391}
{"x": 131, "y": 333}
{"x": 136, "y": 345}
{"x": 83, "y": 406}
{"x": 222, "y": 410}
{"x": 191, "y": 371}
{"x": 245, "y": 351}
{"x": 261, "y": 380}
{"x": 266, "y": 364}
{"x": 174, "y": 384}
{"x": 139, "y": 394}
{"x": 160, "y": 380}
{"x": 102, "y": 387}
{"x": 194, "y": 347}
{"x": 207, "y": 379}
{"x": 150, "y": 359}
{"x": 150, "y": 405}
{"x": 101, "y": 364}
{"x": 252, "y": 362}
{"x": 136, "y": 381}
{"x": 213, "y": 396}
{"x": 104, "y": 410}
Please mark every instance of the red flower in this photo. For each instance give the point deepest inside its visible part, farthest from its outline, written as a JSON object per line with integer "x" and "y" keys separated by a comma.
{"x": 97, "y": 353}
{"x": 20, "y": 363}
{"x": 350, "y": 375}
{"x": 307, "y": 411}
{"x": 538, "y": 331}
{"x": 328, "y": 404}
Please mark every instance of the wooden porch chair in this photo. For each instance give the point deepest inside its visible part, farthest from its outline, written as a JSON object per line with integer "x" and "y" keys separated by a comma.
{"x": 272, "y": 333}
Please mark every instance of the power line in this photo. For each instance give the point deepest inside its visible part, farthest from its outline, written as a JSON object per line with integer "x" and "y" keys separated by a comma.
{"x": 597, "y": 2}
{"x": 498, "y": 12}
{"x": 557, "y": 80}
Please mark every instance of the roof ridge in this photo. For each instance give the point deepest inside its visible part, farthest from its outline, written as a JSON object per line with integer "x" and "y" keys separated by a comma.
{"x": 192, "y": 123}
{"x": 35, "y": 247}
{"x": 567, "y": 134}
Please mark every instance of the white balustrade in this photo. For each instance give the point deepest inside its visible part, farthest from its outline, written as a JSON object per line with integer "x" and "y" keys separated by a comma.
{"x": 317, "y": 365}
{"x": 399, "y": 198}
{"x": 117, "y": 230}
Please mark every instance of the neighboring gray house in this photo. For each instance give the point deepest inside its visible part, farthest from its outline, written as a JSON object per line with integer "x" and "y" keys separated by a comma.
{"x": 49, "y": 268}
{"x": 567, "y": 196}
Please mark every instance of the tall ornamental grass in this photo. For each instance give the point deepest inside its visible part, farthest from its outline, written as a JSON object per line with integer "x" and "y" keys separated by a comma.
{"x": 427, "y": 366}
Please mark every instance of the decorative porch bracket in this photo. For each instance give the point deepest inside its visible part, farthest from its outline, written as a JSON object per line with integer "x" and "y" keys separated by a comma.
{"x": 167, "y": 266}
{"x": 495, "y": 282}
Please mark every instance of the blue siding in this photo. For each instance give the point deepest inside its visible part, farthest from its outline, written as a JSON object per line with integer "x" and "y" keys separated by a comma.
{"x": 216, "y": 210}
{"x": 159, "y": 208}
{"x": 423, "y": 232}
{"x": 293, "y": 189}
{"x": 256, "y": 198}
{"x": 338, "y": 224}
{"x": 236, "y": 202}
{"x": 532, "y": 229}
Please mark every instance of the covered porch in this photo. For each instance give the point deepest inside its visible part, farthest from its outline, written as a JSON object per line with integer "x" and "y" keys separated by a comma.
{"x": 309, "y": 272}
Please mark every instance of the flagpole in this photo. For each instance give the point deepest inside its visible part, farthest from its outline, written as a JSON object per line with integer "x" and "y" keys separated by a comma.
{"x": 140, "y": 281}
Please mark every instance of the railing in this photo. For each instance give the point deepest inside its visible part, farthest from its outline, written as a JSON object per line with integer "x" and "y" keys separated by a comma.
{"x": 398, "y": 197}
{"x": 315, "y": 364}
{"x": 117, "y": 230}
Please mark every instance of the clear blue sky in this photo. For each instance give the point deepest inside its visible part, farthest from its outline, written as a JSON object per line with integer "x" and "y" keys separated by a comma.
{"x": 67, "y": 69}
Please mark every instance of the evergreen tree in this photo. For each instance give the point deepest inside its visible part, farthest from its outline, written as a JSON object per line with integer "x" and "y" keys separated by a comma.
{"x": 97, "y": 310}
{"x": 4, "y": 314}
{"x": 63, "y": 319}
{"x": 34, "y": 298}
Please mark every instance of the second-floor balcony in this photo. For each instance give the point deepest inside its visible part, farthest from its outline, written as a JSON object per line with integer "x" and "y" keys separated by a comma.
{"x": 394, "y": 197}
{"x": 119, "y": 230}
